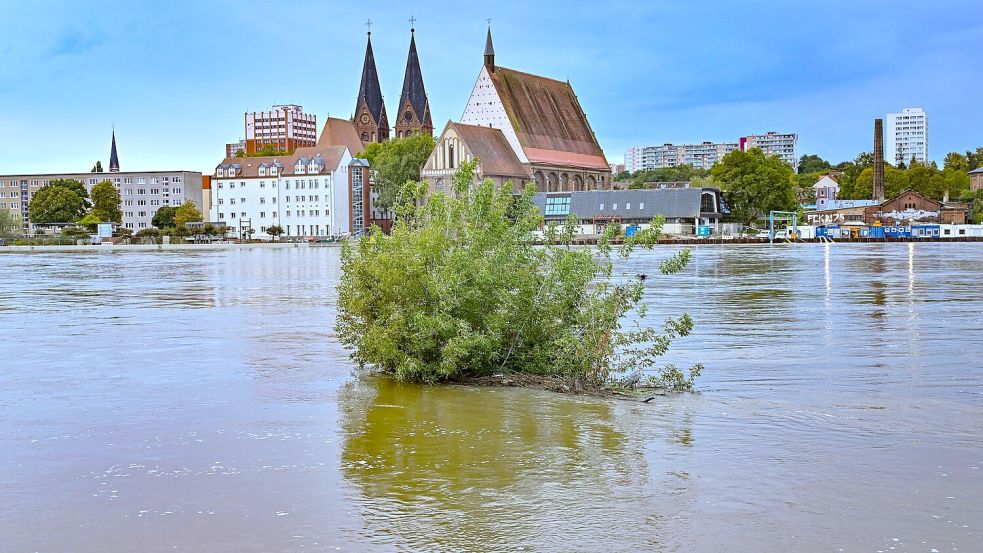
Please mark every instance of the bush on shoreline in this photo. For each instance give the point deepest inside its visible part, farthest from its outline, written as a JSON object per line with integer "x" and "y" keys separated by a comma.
{"x": 459, "y": 290}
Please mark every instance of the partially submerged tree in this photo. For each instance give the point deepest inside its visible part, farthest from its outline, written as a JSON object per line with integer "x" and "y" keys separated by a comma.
{"x": 460, "y": 289}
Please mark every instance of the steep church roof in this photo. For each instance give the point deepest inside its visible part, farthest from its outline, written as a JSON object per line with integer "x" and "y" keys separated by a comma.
{"x": 369, "y": 90}
{"x": 340, "y": 132}
{"x": 113, "y": 157}
{"x": 492, "y": 149}
{"x": 551, "y": 126}
{"x": 413, "y": 89}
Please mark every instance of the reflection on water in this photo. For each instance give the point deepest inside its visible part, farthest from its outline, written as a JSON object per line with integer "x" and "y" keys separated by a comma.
{"x": 200, "y": 402}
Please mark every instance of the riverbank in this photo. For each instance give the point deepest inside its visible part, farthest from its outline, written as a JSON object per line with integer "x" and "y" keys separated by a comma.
{"x": 158, "y": 247}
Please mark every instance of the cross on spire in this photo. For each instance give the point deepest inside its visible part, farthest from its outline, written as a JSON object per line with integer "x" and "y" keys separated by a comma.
{"x": 368, "y": 24}
{"x": 412, "y": 24}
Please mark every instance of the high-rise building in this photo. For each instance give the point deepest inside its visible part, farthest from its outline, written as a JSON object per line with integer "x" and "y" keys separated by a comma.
{"x": 702, "y": 155}
{"x": 906, "y": 136}
{"x": 285, "y": 128}
{"x": 414, "y": 107}
{"x": 773, "y": 143}
{"x": 233, "y": 148}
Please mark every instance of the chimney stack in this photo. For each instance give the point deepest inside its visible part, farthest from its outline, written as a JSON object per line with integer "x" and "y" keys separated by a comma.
{"x": 878, "y": 191}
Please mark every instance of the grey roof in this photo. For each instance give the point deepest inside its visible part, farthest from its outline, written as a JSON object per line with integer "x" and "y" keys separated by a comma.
{"x": 631, "y": 204}
{"x": 413, "y": 90}
{"x": 976, "y": 171}
{"x": 358, "y": 162}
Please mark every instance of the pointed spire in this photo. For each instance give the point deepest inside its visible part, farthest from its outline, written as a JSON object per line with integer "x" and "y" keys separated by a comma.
{"x": 489, "y": 50}
{"x": 113, "y": 156}
{"x": 414, "y": 94}
{"x": 369, "y": 91}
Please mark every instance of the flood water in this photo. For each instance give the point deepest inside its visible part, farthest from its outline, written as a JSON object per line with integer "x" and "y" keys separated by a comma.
{"x": 199, "y": 401}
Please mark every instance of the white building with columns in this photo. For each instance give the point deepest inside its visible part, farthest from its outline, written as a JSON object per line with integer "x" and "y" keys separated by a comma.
{"x": 306, "y": 194}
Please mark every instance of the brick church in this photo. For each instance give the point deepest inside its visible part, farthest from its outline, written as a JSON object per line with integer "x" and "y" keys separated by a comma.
{"x": 413, "y": 111}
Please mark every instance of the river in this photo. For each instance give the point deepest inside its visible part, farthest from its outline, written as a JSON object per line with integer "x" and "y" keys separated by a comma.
{"x": 200, "y": 402}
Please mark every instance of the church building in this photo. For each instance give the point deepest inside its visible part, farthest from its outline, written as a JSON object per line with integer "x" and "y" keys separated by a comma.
{"x": 541, "y": 121}
{"x": 414, "y": 107}
{"x": 370, "y": 119}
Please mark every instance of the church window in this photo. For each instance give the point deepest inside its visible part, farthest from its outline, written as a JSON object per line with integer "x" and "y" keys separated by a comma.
{"x": 450, "y": 156}
{"x": 365, "y": 137}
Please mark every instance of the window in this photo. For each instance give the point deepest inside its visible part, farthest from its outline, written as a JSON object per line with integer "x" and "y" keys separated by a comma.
{"x": 262, "y": 214}
{"x": 141, "y": 191}
{"x": 221, "y": 201}
{"x": 141, "y": 180}
{"x": 557, "y": 205}
{"x": 628, "y": 206}
{"x": 262, "y": 200}
{"x": 141, "y": 202}
{"x": 262, "y": 184}
{"x": 273, "y": 199}
{"x": 614, "y": 207}
{"x": 641, "y": 205}
{"x": 155, "y": 180}
{"x": 242, "y": 200}
{"x": 219, "y": 186}
{"x": 601, "y": 208}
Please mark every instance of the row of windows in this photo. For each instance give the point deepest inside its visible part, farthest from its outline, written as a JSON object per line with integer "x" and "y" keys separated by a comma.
{"x": 273, "y": 214}
{"x": 298, "y": 183}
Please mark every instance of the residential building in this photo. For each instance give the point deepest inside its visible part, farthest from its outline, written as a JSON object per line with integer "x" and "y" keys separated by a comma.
{"x": 906, "y": 136}
{"x": 232, "y": 148}
{"x": 142, "y": 193}
{"x": 363, "y": 211}
{"x": 305, "y": 193}
{"x": 826, "y": 190}
{"x": 414, "y": 107}
{"x": 773, "y": 143}
{"x": 633, "y": 159}
{"x": 284, "y": 127}
{"x": 702, "y": 155}
{"x": 976, "y": 179}
{"x": 206, "y": 195}
{"x": 532, "y": 125}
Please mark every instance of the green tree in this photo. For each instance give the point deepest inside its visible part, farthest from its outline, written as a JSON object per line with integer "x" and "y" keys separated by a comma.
{"x": 106, "y": 202}
{"x": 10, "y": 223}
{"x": 397, "y": 162}
{"x": 812, "y": 163}
{"x": 955, "y": 161}
{"x": 90, "y": 222}
{"x": 186, "y": 213}
{"x": 75, "y": 186}
{"x": 460, "y": 289}
{"x": 974, "y": 159}
{"x": 755, "y": 184}
{"x": 56, "y": 204}
{"x": 269, "y": 150}
{"x": 164, "y": 217}
{"x": 895, "y": 182}
{"x": 97, "y": 168}
{"x": 680, "y": 173}
{"x": 275, "y": 231}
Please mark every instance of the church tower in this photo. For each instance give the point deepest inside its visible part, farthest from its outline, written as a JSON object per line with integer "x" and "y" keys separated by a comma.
{"x": 370, "y": 112}
{"x": 113, "y": 156}
{"x": 414, "y": 108}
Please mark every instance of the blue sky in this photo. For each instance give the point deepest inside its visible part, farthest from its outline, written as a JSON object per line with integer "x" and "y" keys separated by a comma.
{"x": 175, "y": 77}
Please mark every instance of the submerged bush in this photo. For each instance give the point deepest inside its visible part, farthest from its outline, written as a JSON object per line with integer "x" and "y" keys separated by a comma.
{"x": 460, "y": 289}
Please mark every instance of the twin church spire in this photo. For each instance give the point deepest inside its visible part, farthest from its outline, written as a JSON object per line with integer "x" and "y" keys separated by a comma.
{"x": 413, "y": 115}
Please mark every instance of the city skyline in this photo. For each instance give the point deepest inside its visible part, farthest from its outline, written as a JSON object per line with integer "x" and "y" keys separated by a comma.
{"x": 729, "y": 71}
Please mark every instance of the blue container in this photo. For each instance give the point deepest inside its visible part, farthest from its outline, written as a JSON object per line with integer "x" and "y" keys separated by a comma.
{"x": 631, "y": 231}
{"x": 872, "y": 232}
{"x": 704, "y": 230}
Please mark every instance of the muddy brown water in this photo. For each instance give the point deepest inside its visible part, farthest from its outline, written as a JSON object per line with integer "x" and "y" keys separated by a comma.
{"x": 199, "y": 401}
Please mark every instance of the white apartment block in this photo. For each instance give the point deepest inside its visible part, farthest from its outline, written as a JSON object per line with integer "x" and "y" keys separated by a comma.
{"x": 702, "y": 155}
{"x": 906, "y": 136}
{"x": 141, "y": 193}
{"x": 306, "y": 194}
{"x": 772, "y": 143}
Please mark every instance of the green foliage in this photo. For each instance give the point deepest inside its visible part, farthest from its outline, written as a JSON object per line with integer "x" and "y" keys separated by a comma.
{"x": 925, "y": 179}
{"x": 123, "y": 232}
{"x": 275, "y": 231}
{"x": 459, "y": 289}
{"x": 57, "y": 203}
{"x": 812, "y": 163}
{"x": 97, "y": 168}
{"x": 974, "y": 159}
{"x": 240, "y": 153}
{"x": 74, "y": 232}
{"x": 755, "y": 184}
{"x": 266, "y": 151}
{"x": 164, "y": 217}
{"x": 397, "y": 162}
{"x": 680, "y": 173}
{"x": 148, "y": 233}
{"x": 186, "y": 213}
{"x": 10, "y": 223}
{"x": 106, "y": 202}
{"x": 91, "y": 222}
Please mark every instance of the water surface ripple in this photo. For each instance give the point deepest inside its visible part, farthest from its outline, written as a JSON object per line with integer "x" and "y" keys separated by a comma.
{"x": 199, "y": 401}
